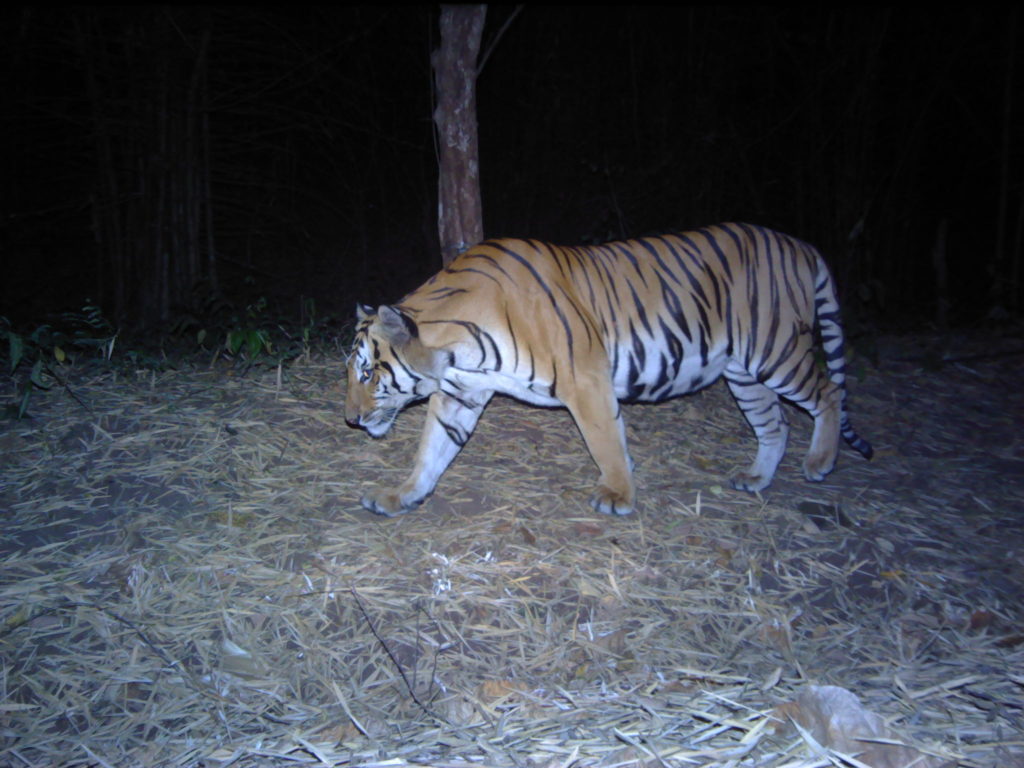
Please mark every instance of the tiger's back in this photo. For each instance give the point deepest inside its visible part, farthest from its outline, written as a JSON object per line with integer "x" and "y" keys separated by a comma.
{"x": 584, "y": 327}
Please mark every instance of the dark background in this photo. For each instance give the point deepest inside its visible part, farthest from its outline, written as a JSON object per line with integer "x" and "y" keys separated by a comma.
{"x": 162, "y": 162}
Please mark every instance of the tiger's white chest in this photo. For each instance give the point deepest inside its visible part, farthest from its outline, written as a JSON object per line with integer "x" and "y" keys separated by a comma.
{"x": 458, "y": 381}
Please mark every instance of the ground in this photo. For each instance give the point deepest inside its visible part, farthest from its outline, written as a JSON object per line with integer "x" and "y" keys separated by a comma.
{"x": 188, "y": 578}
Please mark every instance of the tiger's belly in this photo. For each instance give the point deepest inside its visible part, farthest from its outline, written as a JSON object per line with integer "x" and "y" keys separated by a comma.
{"x": 653, "y": 376}
{"x": 656, "y": 374}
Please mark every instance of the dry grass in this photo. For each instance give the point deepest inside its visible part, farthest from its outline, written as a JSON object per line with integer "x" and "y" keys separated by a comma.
{"x": 187, "y": 579}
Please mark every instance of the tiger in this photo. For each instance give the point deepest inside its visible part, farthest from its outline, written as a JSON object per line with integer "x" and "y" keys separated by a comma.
{"x": 590, "y": 327}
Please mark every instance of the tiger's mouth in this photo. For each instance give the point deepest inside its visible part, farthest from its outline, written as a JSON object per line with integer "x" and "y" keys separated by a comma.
{"x": 376, "y": 423}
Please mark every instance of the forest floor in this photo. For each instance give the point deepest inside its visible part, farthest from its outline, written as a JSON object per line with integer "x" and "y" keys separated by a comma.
{"x": 187, "y": 578}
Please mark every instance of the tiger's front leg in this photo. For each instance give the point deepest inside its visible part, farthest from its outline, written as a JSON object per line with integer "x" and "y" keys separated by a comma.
{"x": 599, "y": 417}
{"x": 450, "y": 421}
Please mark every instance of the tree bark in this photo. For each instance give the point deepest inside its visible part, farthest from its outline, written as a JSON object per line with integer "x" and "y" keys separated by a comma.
{"x": 459, "y": 208}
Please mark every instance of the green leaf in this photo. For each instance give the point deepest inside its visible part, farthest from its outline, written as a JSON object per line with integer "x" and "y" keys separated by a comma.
{"x": 38, "y": 333}
{"x": 235, "y": 339}
{"x": 256, "y": 343}
{"x": 23, "y": 405}
{"x": 37, "y": 375}
{"x": 17, "y": 348}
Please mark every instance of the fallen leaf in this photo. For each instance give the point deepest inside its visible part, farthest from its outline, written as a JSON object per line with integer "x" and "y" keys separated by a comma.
{"x": 528, "y": 537}
{"x": 981, "y": 619}
{"x": 834, "y": 718}
{"x": 490, "y": 690}
{"x": 587, "y": 529}
{"x": 1010, "y": 641}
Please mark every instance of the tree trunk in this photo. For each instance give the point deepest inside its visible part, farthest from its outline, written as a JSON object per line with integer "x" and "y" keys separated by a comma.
{"x": 459, "y": 209}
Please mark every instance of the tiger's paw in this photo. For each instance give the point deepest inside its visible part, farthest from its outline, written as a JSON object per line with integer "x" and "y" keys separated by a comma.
{"x": 744, "y": 481}
{"x": 815, "y": 468}
{"x": 387, "y": 503}
{"x": 610, "y": 502}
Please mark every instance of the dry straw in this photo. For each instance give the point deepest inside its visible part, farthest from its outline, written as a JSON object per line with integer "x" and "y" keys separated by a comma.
{"x": 186, "y": 579}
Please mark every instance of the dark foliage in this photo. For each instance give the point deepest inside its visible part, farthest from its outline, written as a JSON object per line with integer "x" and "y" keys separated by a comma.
{"x": 152, "y": 155}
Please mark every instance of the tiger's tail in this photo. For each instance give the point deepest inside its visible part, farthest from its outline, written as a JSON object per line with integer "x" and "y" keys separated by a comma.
{"x": 826, "y": 308}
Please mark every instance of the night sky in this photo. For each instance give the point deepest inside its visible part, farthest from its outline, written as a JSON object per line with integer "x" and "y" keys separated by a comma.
{"x": 866, "y": 132}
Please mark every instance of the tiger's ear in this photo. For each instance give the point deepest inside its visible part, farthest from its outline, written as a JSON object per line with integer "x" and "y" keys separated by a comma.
{"x": 363, "y": 311}
{"x": 397, "y": 328}
{"x": 402, "y": 333}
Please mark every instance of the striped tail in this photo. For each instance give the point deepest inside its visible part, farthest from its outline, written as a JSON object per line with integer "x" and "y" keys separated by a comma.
{"x": 826, "y": 307}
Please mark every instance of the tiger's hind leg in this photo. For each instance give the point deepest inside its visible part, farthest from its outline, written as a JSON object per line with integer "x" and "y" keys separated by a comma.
{"x": 763, "y": 411}
{"x": 825, "y": 406}
{"x": 801, "y": 382}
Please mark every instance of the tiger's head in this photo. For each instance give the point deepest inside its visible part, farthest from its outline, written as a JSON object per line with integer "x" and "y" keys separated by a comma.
{"x": 389, "y": 368}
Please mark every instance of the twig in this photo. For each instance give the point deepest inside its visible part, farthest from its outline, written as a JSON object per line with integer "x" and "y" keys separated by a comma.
{"x": 67, "y": 388}
{"x": 387, "y": 650}
{"x": 497, "y": 38}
